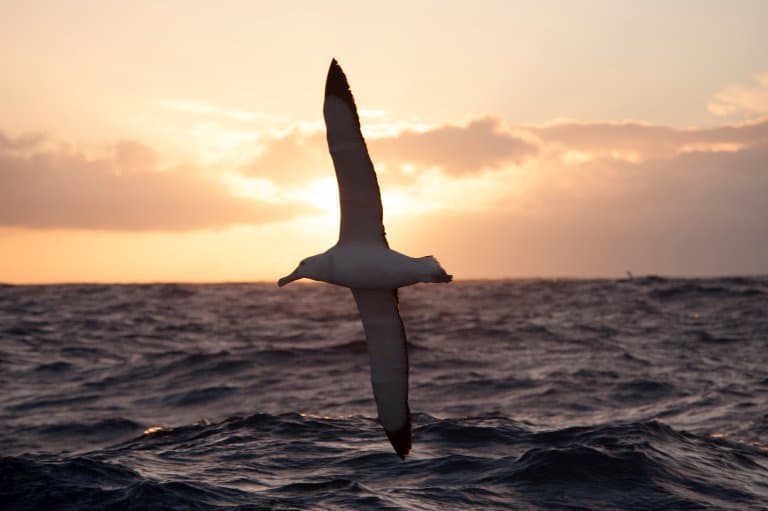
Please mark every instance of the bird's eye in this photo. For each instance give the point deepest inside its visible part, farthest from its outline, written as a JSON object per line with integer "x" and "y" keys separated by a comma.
{"x": 302, "y": 263}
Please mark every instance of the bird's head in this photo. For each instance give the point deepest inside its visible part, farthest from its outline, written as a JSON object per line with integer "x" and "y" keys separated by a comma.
{"x": 313, "y": 267}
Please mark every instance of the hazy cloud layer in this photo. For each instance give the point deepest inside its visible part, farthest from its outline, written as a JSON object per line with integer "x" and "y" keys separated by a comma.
{"x": 647, "y": 141}
{"x": 21, "y": 142}
{"x": 488, "y": 144}
{"x": 458, "y": 150}
{"x": 482, "y": 144}
{"x": 293, "y": 158}
{"x": 637, "y": 185}
{"x": 645, "y": 198}
{"x": 700, "y": 213}
{"x": 741, "y": 99}
{"x": 689, "y": 202}
{"x": 62, "y": 188}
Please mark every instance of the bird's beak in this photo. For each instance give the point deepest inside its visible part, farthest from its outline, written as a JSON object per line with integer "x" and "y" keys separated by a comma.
{"x": 289, "y": 278}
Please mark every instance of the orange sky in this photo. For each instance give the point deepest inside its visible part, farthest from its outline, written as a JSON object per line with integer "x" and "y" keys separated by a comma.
{"x": 178, "y": 141}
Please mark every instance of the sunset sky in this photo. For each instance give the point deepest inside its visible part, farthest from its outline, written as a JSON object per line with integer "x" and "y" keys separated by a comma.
{"x": 183, "y": 140}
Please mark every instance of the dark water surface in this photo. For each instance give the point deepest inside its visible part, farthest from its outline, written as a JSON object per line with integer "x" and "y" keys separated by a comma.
{"x": 643, "y": 394}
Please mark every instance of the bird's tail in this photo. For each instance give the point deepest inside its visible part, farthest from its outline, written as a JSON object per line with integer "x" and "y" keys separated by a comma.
{"x": 436, "y": 273}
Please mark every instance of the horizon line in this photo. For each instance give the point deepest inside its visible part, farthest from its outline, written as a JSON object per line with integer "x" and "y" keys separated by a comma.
{"x": 311, "y": 282}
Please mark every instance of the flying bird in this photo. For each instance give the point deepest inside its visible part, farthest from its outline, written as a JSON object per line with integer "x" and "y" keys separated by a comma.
{"x": 362, "y": 261}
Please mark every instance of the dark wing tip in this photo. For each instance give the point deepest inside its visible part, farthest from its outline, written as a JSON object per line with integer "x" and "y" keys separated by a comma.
{"x": 401, "y": 439}
{"x": 336, "y": 85}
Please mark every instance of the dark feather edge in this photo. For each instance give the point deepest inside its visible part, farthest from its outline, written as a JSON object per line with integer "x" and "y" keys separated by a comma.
{"x": 336, "y": 84}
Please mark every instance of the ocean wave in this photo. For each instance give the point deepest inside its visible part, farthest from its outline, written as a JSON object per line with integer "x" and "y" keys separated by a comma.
{"x": 534, "y": 394}
{"x": 304, "y": 461}
{"x": 688, "y": 290}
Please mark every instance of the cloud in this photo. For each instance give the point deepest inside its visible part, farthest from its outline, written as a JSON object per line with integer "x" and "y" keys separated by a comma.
{"x": 132, "y": 156}
{"x": 458, "y": 150}
{"x": 293, "y": 158}
{"x": 481, "y": 144}
{"x": 649, "y": 198}
{"x": 739, "y": 99}
{"x": 652, "y": 199}
{"x": 634, "y": 140}
{"x": 487, "y": 144}
{"x": 22, "y": 142}
{"x": 638, "y": 186}
{"x": 696, "y": 213}
{"x": 63, "y": 188}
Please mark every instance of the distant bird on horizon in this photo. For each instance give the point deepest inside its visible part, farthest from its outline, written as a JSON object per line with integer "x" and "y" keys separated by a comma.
{"x": 362, "y": 261}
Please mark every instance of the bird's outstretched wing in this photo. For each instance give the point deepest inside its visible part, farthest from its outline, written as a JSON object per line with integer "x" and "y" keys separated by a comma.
{"x": 388, "y": 353}
{"x": 359, "y": 196}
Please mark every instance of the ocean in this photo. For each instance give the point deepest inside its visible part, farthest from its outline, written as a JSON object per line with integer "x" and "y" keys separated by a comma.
{"x": 650, "y": 393}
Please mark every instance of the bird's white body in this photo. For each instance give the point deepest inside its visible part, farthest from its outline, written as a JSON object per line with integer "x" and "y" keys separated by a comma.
{"x": 367, "y": 266}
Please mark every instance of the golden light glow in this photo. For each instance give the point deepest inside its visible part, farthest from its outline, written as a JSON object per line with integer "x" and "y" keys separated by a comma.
{"x": 169, "y": 142}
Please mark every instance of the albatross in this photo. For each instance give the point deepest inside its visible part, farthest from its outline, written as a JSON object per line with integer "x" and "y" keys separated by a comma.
{"x": 362, "y": 261}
